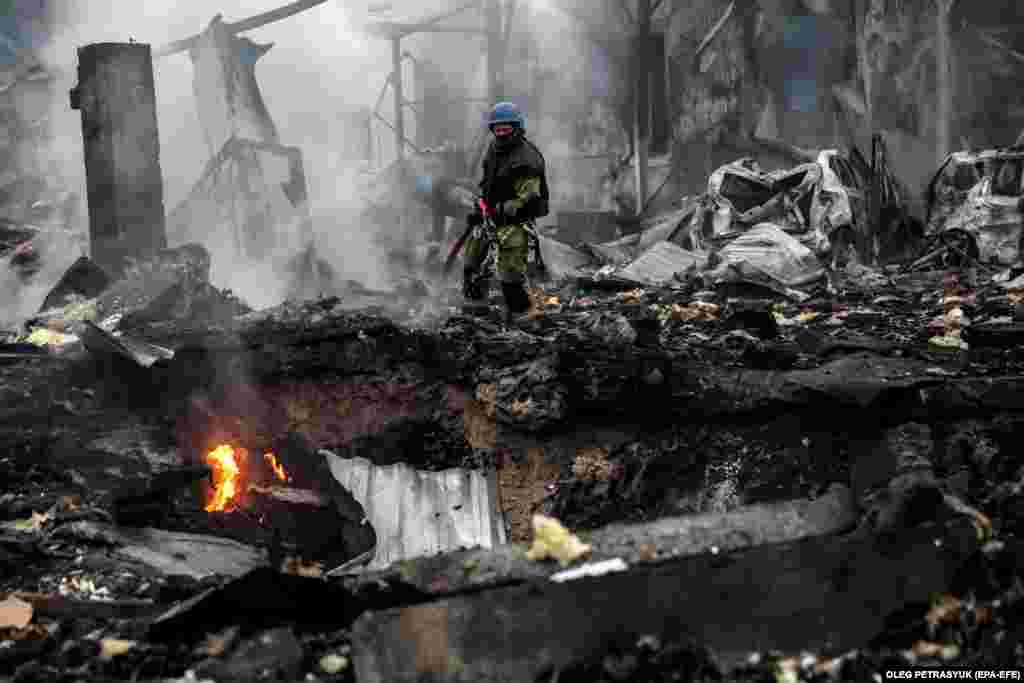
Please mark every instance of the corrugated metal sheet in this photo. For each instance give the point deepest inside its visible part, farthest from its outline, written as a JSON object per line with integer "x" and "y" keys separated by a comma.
{"x": 417, "y": 513}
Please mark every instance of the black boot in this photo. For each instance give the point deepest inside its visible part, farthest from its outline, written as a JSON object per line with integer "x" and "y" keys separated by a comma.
{"x": 516, "y": 299}
{"x": 474, "y": 293}
{"x": 472, "y": 286}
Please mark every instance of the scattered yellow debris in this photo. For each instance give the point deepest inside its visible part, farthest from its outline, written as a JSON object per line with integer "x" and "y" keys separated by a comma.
{"x": 984, "y": 526}
{"x": 15, "y": 613}
{"x": 591, "y": 464}
{"x": 945, "y": 610}
{"x": 552, "y": 540}
{"x": 521, "y": 408}
{"x": 216, "y": 644}
{"x": 333, "y": 664}
{"x": 787, "y": 670}
{"x": 82, "y": 587}
{"x": 808, "y": 316}
{"x": 945, "y": 652}
{"x": 33, "y": 524}
{"x": 537, "y": 303}
{"x": 43, "y": 337}
{"x": 955, "y": 321}
{"x": 80, "y": 312}
{"x": 113, "y": 647}
{"x": 950, "y": 303}
{"x": 296, "y": 566}
{"x": 828, "y": 667}
{"x": 71, "y": 503}
{"x": 947, "y": 343}
{"x": 698, "y": 311}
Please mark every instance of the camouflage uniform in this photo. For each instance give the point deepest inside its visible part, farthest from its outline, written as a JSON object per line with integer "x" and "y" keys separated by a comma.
{"x": 514, "y": 177}
{"x": 513, "y": 239}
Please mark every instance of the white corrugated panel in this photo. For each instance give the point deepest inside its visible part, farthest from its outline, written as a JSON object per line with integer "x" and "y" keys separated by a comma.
{"x": 417, "y": 513}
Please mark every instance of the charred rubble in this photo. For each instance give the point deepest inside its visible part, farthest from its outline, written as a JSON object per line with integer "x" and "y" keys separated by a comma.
{"x": 772, "y": 433}
{"x": 781, "y": 434}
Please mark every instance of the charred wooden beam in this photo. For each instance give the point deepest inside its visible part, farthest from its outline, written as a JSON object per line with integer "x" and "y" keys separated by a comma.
{"x": 116, "y": 96}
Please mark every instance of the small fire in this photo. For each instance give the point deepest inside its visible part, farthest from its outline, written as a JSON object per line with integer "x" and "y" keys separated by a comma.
{"x": 276, "y": 466}
{"x": 226, "y": 472}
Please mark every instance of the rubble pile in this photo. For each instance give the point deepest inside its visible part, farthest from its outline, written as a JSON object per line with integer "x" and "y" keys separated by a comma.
{"x": 719, "y": 431}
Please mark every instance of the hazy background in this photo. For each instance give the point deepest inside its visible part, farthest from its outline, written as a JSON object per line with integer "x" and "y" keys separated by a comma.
{"x": 322, "y": 65}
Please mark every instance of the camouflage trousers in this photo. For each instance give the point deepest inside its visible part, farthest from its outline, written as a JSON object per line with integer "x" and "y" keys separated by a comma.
{"x": 513, "y": 252}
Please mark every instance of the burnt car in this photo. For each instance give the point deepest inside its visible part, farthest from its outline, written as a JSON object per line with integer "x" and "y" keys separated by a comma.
{"x": 950, "y": 185}
{"x": 975, "y": 201}
{"x": 811, "y": 201}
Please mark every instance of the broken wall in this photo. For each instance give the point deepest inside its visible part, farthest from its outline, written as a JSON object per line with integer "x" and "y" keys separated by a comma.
{"x": 713, "y": 90}
{"x": 829, "y": 74}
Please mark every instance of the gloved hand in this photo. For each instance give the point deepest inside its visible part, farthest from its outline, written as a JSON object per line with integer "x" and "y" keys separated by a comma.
{"x": 509, "y": 208}
{"x": 474, "y": 219}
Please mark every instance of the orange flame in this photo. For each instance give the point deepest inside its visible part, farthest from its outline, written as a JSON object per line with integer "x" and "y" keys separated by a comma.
{"x": 226, "y": 473}
{"x": 276, "y": 466}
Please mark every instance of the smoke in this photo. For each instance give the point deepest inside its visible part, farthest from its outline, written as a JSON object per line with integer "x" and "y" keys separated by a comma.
{"x": 321, "y": 66}
{"x": 56, "y": 252}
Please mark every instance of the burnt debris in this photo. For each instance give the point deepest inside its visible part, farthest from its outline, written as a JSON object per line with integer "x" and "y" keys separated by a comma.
{"x": 768, "y": 430}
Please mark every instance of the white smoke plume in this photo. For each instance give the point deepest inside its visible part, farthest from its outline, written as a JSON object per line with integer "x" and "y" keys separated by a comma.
{"x": 324, "y": 63}
{"x": 321, "y": 66}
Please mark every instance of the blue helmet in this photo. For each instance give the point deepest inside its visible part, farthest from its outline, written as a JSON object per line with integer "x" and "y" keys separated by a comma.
{"x": 506, "y": 112}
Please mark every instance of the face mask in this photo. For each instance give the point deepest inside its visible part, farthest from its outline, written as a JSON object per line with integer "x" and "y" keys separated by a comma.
{"x": 507, "y": 141}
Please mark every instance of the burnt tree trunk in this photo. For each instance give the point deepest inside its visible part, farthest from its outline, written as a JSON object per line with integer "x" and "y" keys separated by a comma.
{"x": 116, "y": 96}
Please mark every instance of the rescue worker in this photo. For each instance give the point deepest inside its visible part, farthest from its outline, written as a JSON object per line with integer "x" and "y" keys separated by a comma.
{"x": 515, "y": 187}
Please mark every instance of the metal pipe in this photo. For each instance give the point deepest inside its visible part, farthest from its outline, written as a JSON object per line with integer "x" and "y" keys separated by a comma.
{"x": 387, "y": 123}
{"x": 494, "y": 57}
{"x": 396, "y": 86}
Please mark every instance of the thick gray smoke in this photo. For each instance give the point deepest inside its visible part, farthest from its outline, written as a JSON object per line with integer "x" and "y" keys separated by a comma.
{"x": 321, "y": 66}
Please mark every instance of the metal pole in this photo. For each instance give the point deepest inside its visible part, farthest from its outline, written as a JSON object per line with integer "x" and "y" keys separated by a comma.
{"x": 396, "y": 86}
{"x": 642, "y": 79}
{"x": 495, "y": 58}
{"x": 943, "y": 86}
